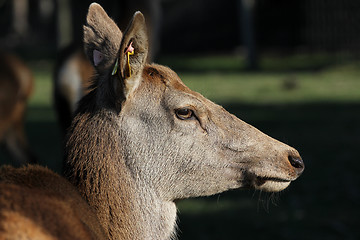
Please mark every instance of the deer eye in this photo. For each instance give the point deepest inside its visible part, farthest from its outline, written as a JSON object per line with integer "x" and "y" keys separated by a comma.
{"x": 184, "y": 113}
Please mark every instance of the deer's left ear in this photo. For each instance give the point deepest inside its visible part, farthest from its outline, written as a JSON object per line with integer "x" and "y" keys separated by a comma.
{"x": 133, "y": 53}
{"x": 102, "y": 39}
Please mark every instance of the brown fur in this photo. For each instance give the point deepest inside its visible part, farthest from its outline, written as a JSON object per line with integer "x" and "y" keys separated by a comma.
{"x": 36, "y": 203}
{"x": 16, "y": 84}
{"x": 131, "y": 153}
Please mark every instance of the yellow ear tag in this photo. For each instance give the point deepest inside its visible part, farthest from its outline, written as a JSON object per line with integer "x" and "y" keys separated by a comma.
{"x": 115, "y": 67}
{"x": 128, "y": 61}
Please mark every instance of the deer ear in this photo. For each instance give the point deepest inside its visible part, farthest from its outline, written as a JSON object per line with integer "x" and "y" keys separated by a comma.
{"x": 102, "y": 39}
{"x": 133, "y": 52}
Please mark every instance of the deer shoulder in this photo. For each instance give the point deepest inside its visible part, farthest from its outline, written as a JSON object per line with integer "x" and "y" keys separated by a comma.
{"x": 36, "y": 203}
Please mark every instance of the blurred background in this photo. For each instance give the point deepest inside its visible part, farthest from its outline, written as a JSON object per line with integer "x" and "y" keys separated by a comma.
{"x": 290, "y": 68}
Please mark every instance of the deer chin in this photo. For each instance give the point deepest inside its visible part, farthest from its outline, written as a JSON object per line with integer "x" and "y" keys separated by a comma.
{"x": 268, "y": 184}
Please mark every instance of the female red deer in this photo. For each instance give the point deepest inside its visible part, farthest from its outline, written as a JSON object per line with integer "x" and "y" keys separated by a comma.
{"x": 142, "y": 140}
{"x": 16, "y": 83}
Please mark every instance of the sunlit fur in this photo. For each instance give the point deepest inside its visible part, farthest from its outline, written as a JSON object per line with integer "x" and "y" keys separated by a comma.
{"x": 131, "y": 156}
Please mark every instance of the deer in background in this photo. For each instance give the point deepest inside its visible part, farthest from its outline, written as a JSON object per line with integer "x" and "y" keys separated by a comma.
{"x": 141, "y": 140}
{"x": 72, "y": 78}
{"x": 16, "y": 84}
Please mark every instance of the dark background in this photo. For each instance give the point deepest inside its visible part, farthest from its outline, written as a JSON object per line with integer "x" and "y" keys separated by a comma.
{"x": 188, "y": 26}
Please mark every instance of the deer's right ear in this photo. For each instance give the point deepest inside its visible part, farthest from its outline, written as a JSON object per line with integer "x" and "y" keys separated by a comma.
{"x": 102, "y": 39}
{"x": 133, "y": 53}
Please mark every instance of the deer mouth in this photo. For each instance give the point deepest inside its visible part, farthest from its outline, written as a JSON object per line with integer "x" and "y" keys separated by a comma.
{"x": 262, "y": 180}
{"x": 270, "y": 184}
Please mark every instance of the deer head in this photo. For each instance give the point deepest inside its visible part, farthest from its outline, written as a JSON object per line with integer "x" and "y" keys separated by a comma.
{"x": 147, "y": 130}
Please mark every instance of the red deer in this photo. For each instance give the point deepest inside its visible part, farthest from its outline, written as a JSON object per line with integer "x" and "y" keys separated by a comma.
{"x": 16, "y": 83}
{"x": 141, "y": 140}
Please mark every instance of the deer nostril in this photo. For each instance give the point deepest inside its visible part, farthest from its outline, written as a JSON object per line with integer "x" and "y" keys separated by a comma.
{"x": 297, "y": 163}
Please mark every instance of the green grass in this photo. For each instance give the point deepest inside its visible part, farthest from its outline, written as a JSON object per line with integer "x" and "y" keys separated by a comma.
{"x": 277, "y": 88}
{"x": 267, "y": 62}
{"x": 316, "y": 110}
{"x": 42, "y": 95}
{"x": 295, "y": 79}
{"x": 42, "y": 126}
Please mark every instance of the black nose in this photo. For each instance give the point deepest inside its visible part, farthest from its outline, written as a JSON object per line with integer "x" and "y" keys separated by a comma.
{"x": 297, "y": 163}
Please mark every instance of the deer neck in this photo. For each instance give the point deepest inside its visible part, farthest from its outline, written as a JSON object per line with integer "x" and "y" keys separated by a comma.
{"x": 126, "y": 207}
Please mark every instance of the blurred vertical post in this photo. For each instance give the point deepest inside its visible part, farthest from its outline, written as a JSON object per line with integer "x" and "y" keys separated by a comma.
{"x": 20, "y": 17}
{"x": 64, "y": 23}
{"x": 246, "y": 20}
